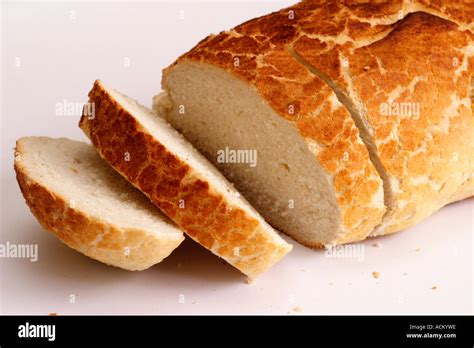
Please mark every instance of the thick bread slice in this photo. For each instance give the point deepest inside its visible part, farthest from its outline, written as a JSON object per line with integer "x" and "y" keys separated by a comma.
{"x": 368, "y": 54}
{"x": 75, "y": 195}
{"x": 155, "y": 158}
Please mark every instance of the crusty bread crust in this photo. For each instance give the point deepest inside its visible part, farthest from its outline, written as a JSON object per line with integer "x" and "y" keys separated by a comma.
{"x": 414, "y": 59}
{"x": 376, "y": 45}
{"x": 206, "y": 216}
{"x": 130, "y": 249}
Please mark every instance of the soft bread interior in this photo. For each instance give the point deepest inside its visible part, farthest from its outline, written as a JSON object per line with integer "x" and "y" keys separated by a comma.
{"x": 215, "y": 111}
{"x": 74, "y": 171}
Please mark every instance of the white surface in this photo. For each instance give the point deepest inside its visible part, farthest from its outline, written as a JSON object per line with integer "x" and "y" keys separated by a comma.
{"x": 60, "y": 59}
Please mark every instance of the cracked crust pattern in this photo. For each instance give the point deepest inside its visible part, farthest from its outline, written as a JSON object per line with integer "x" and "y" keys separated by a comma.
{"x": 429, "y": 155}
{"x": 423, "y": 62}
{"x": 207, "y": 216}
{"x": 376, "y": 53}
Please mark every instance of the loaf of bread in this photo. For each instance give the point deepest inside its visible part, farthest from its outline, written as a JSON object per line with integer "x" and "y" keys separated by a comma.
{"x": 74, "y": 194}
{"x": 336, "y": 120}
{"x": 359, "y": 111}
{"x": 156, "y": 159}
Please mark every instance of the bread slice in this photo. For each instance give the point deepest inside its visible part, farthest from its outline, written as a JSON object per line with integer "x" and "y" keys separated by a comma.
{"x": 155, "y": 158}
{"x": 75, "y": 195}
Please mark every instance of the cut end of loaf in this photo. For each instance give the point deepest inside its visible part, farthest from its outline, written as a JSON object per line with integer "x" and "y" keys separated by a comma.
{"x": 75, "y": 195}
{"x": 423, "y": 162}
{"x": 181, "y": 182}
{"x": 216, "y": 111}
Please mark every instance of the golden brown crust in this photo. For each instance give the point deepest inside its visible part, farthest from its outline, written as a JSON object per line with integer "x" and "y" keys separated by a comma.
{"x": 416, "y": 58}
{"x": 130, "y": 249}
{"x": 178, "y": 189}
{"x": 460, "y": 12}
{"x": 420, "y": 63}
{"x": 388, "y": 45}
{"x": 429, "y": 155}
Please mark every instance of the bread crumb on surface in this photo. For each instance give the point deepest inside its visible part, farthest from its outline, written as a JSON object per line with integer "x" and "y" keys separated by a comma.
{"x": 417, "y": 249}
{"x": 434, "y": 287}
{"x": 376, "y": 275}
{"x": 297, "y": 309}
{"x": 376, "y": 245}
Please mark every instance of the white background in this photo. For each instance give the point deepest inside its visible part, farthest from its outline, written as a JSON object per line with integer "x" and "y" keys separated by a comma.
{"x": 63, "y": 47}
